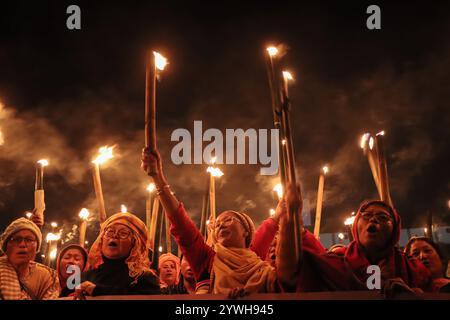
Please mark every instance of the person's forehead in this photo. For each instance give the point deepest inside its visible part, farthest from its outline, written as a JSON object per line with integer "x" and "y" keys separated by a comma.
{"x": 420, "y": 245}
{"x": 226, "y": 215}
{"x": 119, "y": 226}
{"x": 169, "y": 263}
{"x": 73, "y": 252}
{"x": 24, "y": 233}
{"x": 377, "y": 208}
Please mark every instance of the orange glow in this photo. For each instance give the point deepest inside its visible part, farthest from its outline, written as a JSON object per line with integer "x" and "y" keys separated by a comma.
{"x": 279, "y": 190}
{"x": 287, "y": 76}
{"x": 84, "y": 214}
{"x": 104, "y": 154}
{"x": 123, "y": 208}
{"x": 273, "y": 51}
{"x": 151, "y": 187}
{"x": 43, "y": 162}
{"x": 160, "y": 61}
{"x": 325, "y": 170}
{"x": 215, "y": 172}
{"x": 364, "y": 139}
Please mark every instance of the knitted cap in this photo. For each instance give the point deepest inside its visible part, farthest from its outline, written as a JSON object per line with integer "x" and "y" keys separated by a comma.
{"x": 18, "y": 225}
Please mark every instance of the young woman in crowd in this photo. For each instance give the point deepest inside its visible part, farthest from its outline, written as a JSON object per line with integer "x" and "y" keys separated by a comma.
{"x": 70, "y": 255}
{"x": 425, "y": 250}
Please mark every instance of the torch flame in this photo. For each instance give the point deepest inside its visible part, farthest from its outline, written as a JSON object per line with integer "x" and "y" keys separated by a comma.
{"x": 54, "y": 224}
{"x": 213, "y": 160}
{"x": 283, "y": 142}
{"x": 53, "y": 254}
{"x": 28, "y": 214}
{"x": 215, "y": 172}
{"x": 371, "y": 143}
{"x": 364, "y": 139}
{"x": 272, "y": 212}
{"x": 160, "y": 61}
{"x": 325, "y": 170}
{"x": 160, "y": 249}
{"x": 207, "y": 222}
{"x": 53, "y": 236}
{"x": 279, "y": 190}
{"x": 151, "y": 187}
{"x": 349, "y": 221}
{"x": 84, "y": 214}
{"x": 381, "y": 133}
{"x": 341, "y": 236}
{"x": 287, "y": 76}
{"x": 123, "y": 208}
{"x": 272, "y": 51}
{"x": 105, "y": 153}
{"x": 43, "y": 162}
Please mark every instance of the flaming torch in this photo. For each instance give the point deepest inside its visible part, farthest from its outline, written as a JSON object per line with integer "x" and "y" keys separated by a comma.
{"x": 52, "y": 242}
{"x": 382, "y": 169}
{"x": 279, "y": 190}
{"x": 367, "y": 144}
{"x": 148, "y": 206}
{"x": 105, "y": 153}
{"x": 214, "y": 173}
{"x": 156, "y": 62}
{"x": 84, "y": 215}
{"x": 39, "y": 199}
{"x": 290, "y": 156}
{"x": 320, "y": 201}
{"x": 349, "y": 223}
{"x": 123, "y": 208}
{"x": 272, "y": 54}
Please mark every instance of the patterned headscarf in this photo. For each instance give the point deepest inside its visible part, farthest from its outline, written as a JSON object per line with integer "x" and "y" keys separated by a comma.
{"x": 246, "y": 221}
{"x": 169, "y": 257}
{"x": 138, "y": 261}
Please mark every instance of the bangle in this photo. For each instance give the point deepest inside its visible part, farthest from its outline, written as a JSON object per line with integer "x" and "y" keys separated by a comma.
{"x": 161, "y": 190}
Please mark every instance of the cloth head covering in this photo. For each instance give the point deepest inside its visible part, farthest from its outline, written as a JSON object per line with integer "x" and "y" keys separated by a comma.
{"x": 169, "y": 257}
{"x": 395, "y": 218}
{"x": 138, "y": 261}
{"x": 248, "y": 224}
{"x": 18, "y": 225}
{"x": 61, "y": 254}
{"x": 347, "y": 270}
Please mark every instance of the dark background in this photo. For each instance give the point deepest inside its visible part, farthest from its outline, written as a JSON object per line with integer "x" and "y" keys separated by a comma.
{"x": 66, "y": 93}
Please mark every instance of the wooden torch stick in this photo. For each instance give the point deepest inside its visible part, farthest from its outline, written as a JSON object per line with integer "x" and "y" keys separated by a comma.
{"x": 382, "y": 169}
{"x": 99, "y": 192}
{"x": 320, "y": 190}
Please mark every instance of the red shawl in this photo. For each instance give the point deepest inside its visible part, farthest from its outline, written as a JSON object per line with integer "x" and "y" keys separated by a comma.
{"x": 347, "y": 269}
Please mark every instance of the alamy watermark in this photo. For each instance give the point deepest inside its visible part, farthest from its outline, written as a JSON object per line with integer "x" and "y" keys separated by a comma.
{"x": 231, "y": 148}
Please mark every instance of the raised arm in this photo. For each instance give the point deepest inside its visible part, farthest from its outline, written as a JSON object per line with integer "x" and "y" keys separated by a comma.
{"x": 192, "y": 244}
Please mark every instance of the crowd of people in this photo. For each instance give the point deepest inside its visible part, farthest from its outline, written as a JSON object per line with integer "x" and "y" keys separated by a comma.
{"x": 236, "y": 260}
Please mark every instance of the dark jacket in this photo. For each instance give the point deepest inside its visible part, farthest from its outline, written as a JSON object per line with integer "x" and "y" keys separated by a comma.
{"x": 112, "y": 278}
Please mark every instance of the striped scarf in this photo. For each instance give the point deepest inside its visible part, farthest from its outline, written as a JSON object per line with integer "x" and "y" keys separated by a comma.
{"x": 10, "y": 288}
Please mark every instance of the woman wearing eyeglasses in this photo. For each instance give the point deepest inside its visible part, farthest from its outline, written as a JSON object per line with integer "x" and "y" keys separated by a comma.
{"x": 118, "y": 260}
{"x": 425, "y": 250}
{"x": 376, "y": 232}
{"x": 229, "y": 266}
{"x": 21, "y": 278}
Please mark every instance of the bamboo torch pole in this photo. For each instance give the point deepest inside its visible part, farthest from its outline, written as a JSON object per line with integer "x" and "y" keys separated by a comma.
{"x": 320, "y": 201}
{"x": 298, "y": 223}
{"x": 382, "y": 169}
{"x": 39, "y": 197}
{"x": 148, "y": 206}
{"x": 84, "y": 215}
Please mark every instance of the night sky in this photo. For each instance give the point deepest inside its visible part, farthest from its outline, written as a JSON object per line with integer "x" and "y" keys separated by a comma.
{"x": 66, "y": 93}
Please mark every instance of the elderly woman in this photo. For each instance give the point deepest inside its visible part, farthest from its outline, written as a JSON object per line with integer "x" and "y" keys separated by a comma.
{"x": 70, "y": 255}
{"x": 118, "y": 260}
{"x": 230, "y": 265}
{"x": 21, "y": 278}
{"x": 425, "y": 250}
{"x": 376, "y": 232}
